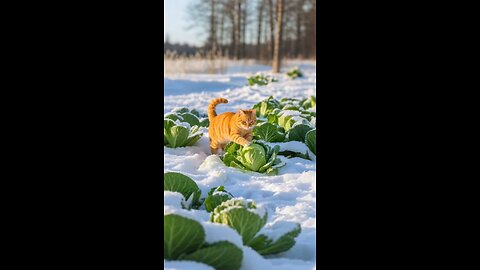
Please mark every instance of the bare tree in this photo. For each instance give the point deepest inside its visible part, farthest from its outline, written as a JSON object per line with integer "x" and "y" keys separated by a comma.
{"x": 272, "y": 27}
{"x": 238, "y": 29}
{"x": 250, "y": 28}
{"x": 203, "y": 14}
{"x": 222, "y": 31}
{"x": 244, "y": 29}
{"x": 261, "y": 4}
{"x": 213, "y": 28}
{"x": 277, "y": 54}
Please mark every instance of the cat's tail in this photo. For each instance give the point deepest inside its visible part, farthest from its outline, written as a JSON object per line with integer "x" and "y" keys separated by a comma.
{"x": 211, "y": 108}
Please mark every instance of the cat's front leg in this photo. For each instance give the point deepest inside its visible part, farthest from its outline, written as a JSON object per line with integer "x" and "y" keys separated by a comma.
{"x": 248, "y": 137}
{"x": 240, "y": 140}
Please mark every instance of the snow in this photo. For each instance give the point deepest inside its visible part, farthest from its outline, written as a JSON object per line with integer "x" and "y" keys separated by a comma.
{"x": 294, "y": 146}
{"x": 215, "y": 232}
{"x": 290, "y": 113}
{"x": 174, "y": 199}
{"x": 220, "y": 193}
{"x": 184, "y": 265}
{"x": 277, "y": 229}
{"x": 288, "y": 198}
{"x": 195, "y": 91}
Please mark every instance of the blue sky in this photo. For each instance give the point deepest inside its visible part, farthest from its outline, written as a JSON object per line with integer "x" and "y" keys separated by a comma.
{"x": 176, "y": 20}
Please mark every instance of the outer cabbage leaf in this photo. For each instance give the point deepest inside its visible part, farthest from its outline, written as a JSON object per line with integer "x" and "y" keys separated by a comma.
{"x": 191, "y": 119}
{"x": 298, "y": 132}
{"x": 268, "y": 132}
{"x": 181, "y": 110}
{"x": 272, "y": 117}
{"x": 236, "y": 214}
{"x": 292, "y": 154}
{"x": 181, "y": 235}
{"x": 194, "y": 136}
{"x": 174, "y": 117}
{"x": 309, "y": 102}
{"x": 221, "y": 255}
{"x": 215, "y": 197}
{"x": 204, "y": 122}
{"x": 232, "y": 148}
{"x": 266, "y": 106}
{"x": 294, "y": 73}
{"x": 260, "y": 79}
{"x": 182, "y": 184}
{"x": 179, "y": 136}
{"x": 311, "y": 140}
{"x": 271, "y": 160}
{"x": 288, "y": 122}
{"x": 238, "y": 165}
{"x": 265, "y": 246}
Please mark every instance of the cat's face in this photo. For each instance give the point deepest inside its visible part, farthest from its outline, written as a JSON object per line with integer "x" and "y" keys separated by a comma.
{"x": 246, "y": 119}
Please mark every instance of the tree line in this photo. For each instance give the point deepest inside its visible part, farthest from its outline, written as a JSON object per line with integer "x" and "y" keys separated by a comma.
{"x": 247, "y": 28}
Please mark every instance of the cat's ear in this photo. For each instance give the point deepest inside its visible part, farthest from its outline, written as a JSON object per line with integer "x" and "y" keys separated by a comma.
{"x": 254, "y": 111}
{"x": 240, "y": 112}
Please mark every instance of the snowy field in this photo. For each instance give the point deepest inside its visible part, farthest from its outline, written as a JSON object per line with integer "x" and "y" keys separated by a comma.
{"x": 289, "y": 196}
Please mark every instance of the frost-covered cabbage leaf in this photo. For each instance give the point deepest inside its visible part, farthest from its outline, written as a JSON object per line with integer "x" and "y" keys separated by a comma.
{"x": 288, "y": 121}
{"x": 272, "y": 116}
{"x": 181, "y": 235}
{"x": 192, "y": 117}
{"x": 297, "y": 104}
{"x": 222, "y": 255}
{"x": 265, "y": 246}
{"x": 257, "y": 157}
{"x": 260, "y": 79}
{"x": 215, "y": 197}
{"x": 292, "y": 154}
{"x": 244, "y": 217}
{"x": 298, "y": 132}
{"x": 294, "y": 73}
{"x": 179, "y": 135}
{"x": 311, "y": 140}
{"x": 309, "y": 102}
{"x": 241, "y": 216}
{"x": 184, "y": 239}
{"x": 266, "y": 106}
{"x": 184, "y": 185}
{"x": 268, "y": 132}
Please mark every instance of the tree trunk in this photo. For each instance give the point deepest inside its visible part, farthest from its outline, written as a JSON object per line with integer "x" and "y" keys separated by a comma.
{"x": 244, "y": 31}
{"x": 298, "y": 39}
{"x": 233, "y": 43}
{"x": 238, "y": 28}
{"x": 277, "y": 54}
{"x": 222, "y": 30}
{"x": 272, "y": 28}
{"x": 259, "y": 36}
{"x": 213, "y": 32}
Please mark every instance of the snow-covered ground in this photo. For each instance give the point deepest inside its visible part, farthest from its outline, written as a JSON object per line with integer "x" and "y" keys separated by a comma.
{"x": 289, "y": 196}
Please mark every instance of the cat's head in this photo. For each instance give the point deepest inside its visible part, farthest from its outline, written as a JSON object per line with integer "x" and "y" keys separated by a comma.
{"x": 246, "y": 119}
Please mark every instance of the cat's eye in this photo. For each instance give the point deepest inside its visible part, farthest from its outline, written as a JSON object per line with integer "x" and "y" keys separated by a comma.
{"x": 244, "y": 123}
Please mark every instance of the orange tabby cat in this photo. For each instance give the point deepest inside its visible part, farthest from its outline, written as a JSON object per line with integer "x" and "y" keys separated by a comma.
{"x": 229, "y": 126}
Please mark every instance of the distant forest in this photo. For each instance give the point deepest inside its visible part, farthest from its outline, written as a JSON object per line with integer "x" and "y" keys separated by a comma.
{"x": 179, "y": 48}
{"x": 242, "y": 29}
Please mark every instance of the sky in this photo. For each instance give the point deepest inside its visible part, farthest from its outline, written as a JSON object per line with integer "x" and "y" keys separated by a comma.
{"x": 176, "y": 20}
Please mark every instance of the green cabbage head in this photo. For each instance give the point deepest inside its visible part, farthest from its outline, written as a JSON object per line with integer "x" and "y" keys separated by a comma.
{"x": 253, "y": 157}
